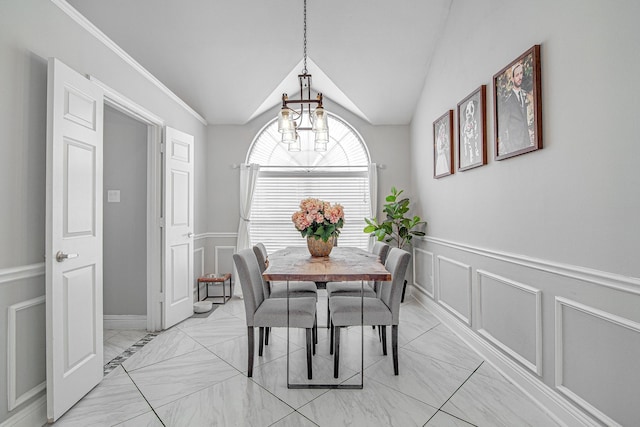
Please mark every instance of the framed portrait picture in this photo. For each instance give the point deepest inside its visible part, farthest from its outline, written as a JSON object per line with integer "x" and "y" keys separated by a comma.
{"x": 443, "y": 145}
{"x": 472, "y": 130}
{"x": 518, "y": 106}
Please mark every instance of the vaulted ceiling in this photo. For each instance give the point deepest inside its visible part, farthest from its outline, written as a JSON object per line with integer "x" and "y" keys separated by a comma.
{"x": 232, "y": 60}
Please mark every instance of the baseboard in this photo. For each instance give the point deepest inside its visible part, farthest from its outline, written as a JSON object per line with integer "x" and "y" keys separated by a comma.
{"x": 124, "y": 321}
{"x": 564, "y": 412}
{"x": 34, "y": 414}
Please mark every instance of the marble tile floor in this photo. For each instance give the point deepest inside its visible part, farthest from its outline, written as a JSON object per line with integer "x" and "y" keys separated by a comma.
{"x": 194, "y": 374}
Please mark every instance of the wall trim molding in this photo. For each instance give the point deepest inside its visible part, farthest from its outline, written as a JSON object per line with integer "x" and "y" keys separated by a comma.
{"x": 564, "y": 412}
{"x": 125, "y": 105}
{"x": 125, "y": 321}
{"x": 415, "y": 281}
{"x": 560, "y": 303}
{"x": 34, "y": 414}
{"x": 597, "y": 277}
{"x": 12, "y": 274}
{"x": 12, "y": 355}
{"x": 536, "y": 366}
{"x": 110, "y": 44}
{"x": 197, "y": 274}
{"x": 201, "y": 272}
{"x": 462, "y": 317}
{"x": 217, "y": 234}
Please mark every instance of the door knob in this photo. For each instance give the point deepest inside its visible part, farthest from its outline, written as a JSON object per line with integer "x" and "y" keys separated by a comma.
{"x": 190, "y": 235}
{"x": 61, "y": 256}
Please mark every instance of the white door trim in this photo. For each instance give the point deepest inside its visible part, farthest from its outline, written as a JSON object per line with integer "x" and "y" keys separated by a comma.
{"x": 155, "y": 125}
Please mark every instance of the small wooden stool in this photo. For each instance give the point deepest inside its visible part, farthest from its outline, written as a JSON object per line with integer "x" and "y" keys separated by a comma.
{"x": 216, "y": 278}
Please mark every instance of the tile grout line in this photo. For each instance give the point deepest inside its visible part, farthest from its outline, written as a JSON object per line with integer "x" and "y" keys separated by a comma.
{"x": 144, "y": 397}
{"x": 452, "y": 394}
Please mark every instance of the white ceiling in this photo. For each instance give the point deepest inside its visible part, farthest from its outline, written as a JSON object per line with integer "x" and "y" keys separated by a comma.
{"x": 232, "y": 60}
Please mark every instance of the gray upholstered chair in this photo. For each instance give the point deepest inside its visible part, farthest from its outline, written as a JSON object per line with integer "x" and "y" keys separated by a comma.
{"x": 381, "y": 311}
{"x": 350, "y": 289}
{"x": 264, "y": 312}
{"x": 279, "y": 290}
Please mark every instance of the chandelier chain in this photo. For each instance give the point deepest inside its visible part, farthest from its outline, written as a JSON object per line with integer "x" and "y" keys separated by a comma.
{"x": 304, "y": 69}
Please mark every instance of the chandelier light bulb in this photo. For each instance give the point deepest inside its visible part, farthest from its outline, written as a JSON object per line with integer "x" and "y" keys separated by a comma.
{"x": 285, "y": 121}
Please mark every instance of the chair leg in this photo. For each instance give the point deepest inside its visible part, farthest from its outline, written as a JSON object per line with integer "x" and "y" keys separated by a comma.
{"x": 331, "y": 338}
{"x": 309, "y": 345}
{"x": 315, "y": 330}
{"x": 383, "y": 334}
{"x": 336, "y": 355}
{"x": 394, "y": 345}
{"x": 328, "y": 316}
{"x": 314, "y": 335}
{"x": 261, "y": 339}
{"x": 251, "y": 351}
{"x": 266, "y": 335}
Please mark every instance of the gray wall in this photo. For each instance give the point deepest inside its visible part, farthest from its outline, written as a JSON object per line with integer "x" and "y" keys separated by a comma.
{"x": 30, "y": 32}
{"x": 125, "y": 223}
{"x": 558, "y": 224}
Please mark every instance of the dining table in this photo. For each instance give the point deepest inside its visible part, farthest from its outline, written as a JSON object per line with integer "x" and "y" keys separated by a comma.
{"x": 344, "y": 264}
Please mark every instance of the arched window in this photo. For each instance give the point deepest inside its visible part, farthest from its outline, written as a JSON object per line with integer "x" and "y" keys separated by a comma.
{"x": 338, "y": 175}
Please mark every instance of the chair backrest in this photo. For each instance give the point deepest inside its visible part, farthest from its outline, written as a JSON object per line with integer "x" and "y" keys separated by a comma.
{"x": 250, "y": 280}
{"x": 261, "y": 255}
{"x": 381, "y": 249}
{"x": 391, "y": 293}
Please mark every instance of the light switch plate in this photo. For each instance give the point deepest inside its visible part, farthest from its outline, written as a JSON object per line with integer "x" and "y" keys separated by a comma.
{"x": 113, "y": 196}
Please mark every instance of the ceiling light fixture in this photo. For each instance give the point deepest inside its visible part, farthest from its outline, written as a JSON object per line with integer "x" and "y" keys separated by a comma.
{"x": 292, "y": 120}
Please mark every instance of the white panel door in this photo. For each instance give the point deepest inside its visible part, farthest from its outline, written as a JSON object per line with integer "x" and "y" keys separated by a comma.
{"x": 178, "y": 230}
{"x": 73, "y": 237}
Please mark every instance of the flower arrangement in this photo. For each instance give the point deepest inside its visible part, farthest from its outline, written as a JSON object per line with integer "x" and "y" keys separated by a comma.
{"x": 319, "y": 219}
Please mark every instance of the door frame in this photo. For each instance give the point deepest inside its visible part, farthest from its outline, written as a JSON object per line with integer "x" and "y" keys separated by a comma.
{"x": 155, "y": 218}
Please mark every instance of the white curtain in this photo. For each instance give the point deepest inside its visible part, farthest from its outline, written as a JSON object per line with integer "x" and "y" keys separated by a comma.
{"x": 373, "y": 195}
{"x": 248, "y": 177}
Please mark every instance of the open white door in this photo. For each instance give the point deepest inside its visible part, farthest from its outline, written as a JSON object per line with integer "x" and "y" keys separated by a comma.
{"x": 73, "y": 237}
{"x": 178, "y": 229}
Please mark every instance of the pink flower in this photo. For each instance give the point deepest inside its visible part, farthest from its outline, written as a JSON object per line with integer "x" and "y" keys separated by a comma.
{"x": 316, "y": 213}
{"x": 300, "y": 220}
{"x": 334, "y": 213}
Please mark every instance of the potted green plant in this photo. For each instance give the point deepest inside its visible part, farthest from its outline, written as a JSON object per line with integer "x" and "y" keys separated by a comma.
{"x": 396, "y": 227}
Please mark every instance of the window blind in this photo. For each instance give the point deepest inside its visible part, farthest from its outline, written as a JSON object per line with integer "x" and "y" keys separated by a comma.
{"x": 278, "y": 194}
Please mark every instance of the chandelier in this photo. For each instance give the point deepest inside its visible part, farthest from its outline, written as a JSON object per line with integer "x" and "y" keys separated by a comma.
{"x": 298, "y": 115}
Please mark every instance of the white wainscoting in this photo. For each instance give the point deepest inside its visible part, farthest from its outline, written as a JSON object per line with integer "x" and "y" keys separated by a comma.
{"x": 11, "y": 275}
{"x": 499, "y": 297}
{"x": 34, "y": 414}
{"x": 423, "y": 270}
{"x": 558, "y": 407}
{"x": 454, "y": 287}
{"x": 601, "y": 278}
{"x": 198, "y": 271}
{"x": 586, "y": 339}
{"x": 216, "y": 252}
{"x": 585, "y": 324}
{"x": 15, "y": 398}
{"x": 224, "y": 258}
